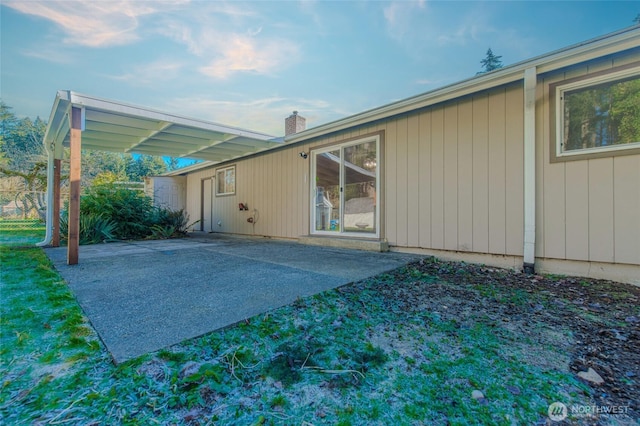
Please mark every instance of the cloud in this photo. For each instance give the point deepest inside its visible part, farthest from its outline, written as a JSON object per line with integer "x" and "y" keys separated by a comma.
{"x": 50, "y": 52}
{"x": 399, "y": 16}
{"x": 226, "y": 38}
{"x": 263, "y": 115}
{"x": 240, "y": 53}
{"x": 151, "y": 73}
{"x": 230, "y": 40}
{"x": 92, "y": 23}
{"x": 417, "y": 25}
{"x": 254, "y": 31}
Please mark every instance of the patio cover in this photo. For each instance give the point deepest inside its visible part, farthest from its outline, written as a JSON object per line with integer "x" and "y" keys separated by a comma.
{"x": 85, "y": 122}
{"x": 117, "y": 127}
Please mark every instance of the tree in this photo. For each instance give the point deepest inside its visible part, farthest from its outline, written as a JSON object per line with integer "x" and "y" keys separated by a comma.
{"x": 490, "y": 62}
{"x": 24, "y": 164}
{"x": 140, "y": 166}
{"x": 173, "y": 163}
{"x": 608, "y": 114}
{"x": 95, "y": 163}
{"x": 637, "y": 19}
{"x": 21, "y": 140}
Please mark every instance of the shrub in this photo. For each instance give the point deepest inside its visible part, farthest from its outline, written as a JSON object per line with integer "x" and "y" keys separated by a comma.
{"x": 132, "y": 211}
{"x": 110, "y": 212}
{"x": 178, "y": 220}
{"x": 93, "y": 228}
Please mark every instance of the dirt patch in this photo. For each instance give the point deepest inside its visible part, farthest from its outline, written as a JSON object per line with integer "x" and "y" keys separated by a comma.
{"x": 595, "y": 322}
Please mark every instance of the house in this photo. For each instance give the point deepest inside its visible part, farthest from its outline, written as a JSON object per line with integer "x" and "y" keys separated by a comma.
{"x": 534, "y": 166}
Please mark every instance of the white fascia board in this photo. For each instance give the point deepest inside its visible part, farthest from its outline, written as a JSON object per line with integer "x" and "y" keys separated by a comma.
{"x": 58, "y": 120}
{"x": 190, "y": 169}
{"x": 92, "y": 102}
{"x": 430, "y": 98}
{"x": 625, "y": 39}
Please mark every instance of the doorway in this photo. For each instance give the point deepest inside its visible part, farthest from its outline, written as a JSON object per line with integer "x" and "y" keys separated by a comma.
{"x": 345, "y": 188}
{"x": 206, "y": 209}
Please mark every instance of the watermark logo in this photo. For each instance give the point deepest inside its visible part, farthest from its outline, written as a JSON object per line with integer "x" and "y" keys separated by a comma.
{"x": 557, "y": 411}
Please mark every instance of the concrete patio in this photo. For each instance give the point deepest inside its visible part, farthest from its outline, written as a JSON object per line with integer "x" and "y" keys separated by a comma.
{"x": 147, "y": 295}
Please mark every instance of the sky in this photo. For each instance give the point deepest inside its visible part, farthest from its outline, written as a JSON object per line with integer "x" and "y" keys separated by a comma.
{"x": 250, "y": 64}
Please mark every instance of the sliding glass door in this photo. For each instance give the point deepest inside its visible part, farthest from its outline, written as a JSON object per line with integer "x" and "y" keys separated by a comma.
{"x": 345, "y": 189}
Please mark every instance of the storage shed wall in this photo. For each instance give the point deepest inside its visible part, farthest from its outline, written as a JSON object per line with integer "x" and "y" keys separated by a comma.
{"x": 166, "y": 191}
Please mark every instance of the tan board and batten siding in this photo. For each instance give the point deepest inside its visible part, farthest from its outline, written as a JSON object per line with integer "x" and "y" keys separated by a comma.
{"x": 452, "y": 180}
{"x": 274, "y": 184}
{"x": 587, "y": 210}
{"x": 452, "y": 183}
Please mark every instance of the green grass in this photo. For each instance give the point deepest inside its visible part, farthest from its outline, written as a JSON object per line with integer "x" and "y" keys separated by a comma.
{"x": 350, "y": 356}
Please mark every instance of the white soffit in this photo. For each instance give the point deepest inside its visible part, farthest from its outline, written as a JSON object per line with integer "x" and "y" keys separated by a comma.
{"x": 117, "y": 127}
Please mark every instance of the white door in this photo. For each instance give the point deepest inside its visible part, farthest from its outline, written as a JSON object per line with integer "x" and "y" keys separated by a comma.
{"x": 207, "y": 205}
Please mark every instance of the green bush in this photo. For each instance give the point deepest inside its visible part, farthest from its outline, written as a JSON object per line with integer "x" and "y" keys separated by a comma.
{"x": 132, "y": 211}
{"x": 93, "y": 228}
{"x": 110, "y": 212}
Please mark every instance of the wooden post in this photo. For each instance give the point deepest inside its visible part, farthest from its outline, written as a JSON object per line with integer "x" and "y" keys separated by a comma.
{"x": 75, "y": 146}
{"x": 55, "y": 240}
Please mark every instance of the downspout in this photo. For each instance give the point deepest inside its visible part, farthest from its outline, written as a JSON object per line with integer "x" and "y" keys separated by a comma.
{"x": 530, "y": 82}
{"x": 49, "y": 214}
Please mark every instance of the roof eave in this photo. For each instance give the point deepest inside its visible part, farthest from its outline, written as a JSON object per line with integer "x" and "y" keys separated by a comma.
{"x": 211, "y": 142}
{"x": 81, "y": 100}
{"x": 624, "y": 39}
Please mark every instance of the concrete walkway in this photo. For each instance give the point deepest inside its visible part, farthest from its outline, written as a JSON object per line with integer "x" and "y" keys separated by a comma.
{"x": 144, "y": 296}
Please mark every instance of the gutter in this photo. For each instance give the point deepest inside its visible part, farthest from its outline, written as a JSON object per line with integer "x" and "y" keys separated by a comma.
{"x": 49, "y": 214}
{"x": 50, "y": 139}
{"x": 608, "y": 44}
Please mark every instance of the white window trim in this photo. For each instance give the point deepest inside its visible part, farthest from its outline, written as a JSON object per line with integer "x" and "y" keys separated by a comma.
{"x": 584, "y": 83}
{"x": 340, "y": 146}
{"x": 223, "y": 171}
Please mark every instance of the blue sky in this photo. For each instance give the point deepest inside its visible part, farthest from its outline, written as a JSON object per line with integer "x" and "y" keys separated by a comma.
{"x": 250, "y": 64}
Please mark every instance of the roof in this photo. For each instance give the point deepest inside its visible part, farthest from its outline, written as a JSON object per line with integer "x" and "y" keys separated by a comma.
{"x": 114, "y": 126}
{"x": 118, "y": 127}
{"x": 625, "y": 39}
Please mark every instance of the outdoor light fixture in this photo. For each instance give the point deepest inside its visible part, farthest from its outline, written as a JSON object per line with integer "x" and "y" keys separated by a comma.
{"x": 303, "y": 155}
{"x": 370, "y": 163}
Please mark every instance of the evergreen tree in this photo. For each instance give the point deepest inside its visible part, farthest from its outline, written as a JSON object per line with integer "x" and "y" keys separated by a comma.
{"x": 21, "y": 140}
{"x": 490, "y": 62}
{"x": 140, "y": 166}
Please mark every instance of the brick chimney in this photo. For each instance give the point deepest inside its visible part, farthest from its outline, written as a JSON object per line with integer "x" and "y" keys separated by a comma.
{"x": 294, "y": 124}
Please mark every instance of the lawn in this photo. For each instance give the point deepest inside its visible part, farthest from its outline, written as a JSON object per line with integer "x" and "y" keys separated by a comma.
{"x": 431, "y": 343}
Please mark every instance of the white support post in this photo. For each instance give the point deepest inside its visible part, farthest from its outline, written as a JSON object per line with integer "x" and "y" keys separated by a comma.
{"x": 530, "y": 82}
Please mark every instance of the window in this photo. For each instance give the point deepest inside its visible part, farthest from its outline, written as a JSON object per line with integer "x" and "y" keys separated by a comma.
{"x": 345, "y": 188}
{"x": 598, "y": 114}
{"x": 226, "y": 181}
